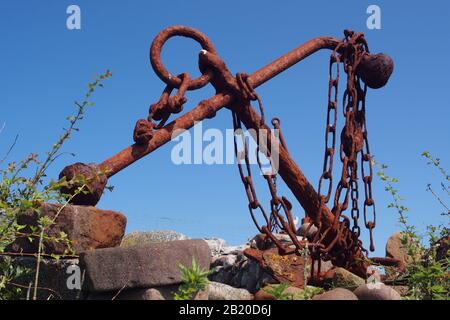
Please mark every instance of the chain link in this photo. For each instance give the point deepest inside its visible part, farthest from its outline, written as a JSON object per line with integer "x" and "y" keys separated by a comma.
{"x": 330, "y": 129}
{"x": 353, "y": 140}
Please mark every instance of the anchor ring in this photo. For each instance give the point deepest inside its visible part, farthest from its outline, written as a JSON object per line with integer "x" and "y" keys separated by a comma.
{"x": 161, "y": 71}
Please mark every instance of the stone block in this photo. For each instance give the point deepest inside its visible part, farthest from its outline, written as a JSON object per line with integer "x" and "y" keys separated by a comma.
{"x": 148, "y": 266}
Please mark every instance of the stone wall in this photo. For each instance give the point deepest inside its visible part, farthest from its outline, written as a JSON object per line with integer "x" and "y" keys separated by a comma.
{"x": 145, "y": 265}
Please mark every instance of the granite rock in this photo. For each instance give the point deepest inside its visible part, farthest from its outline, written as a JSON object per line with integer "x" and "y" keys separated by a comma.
{"x": 336, "y": 294}
{"x": 377, "y": 291}
{"x": 142, "y": 238}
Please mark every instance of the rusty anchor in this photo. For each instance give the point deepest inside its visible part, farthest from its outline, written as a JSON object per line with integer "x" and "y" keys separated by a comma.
{"x": 335, "y": 239}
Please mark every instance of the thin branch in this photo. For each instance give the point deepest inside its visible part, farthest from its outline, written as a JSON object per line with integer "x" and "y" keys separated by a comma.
{"x": 437, "y": 164}
{"x": 41, "y": 240}
{"x": 67, "y": 134}
{"x": 23, "y": 254}
{"x": 445, "y": 188}
{"x": 437, "y": 197}
{"x": 10, "y": 148}
{"x": 119, "y": 292}
{"x": 40, "y": 288}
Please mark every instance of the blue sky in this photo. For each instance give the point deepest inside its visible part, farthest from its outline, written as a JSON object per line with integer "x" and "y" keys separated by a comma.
{"x": 45, "y": 67}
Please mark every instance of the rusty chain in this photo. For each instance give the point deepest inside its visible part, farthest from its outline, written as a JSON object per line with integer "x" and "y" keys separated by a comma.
{"x": 356, "y": 133}
{"x": 327, "y": 173}
{"x": 353, "y": 140}
{"x": 162, "y": 110}
{"x": 333, "y": 85}
{"x": 280, "y": 208}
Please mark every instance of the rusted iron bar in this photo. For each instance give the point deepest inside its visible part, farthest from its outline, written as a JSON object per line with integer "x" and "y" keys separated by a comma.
{"x": 291, "y": 58}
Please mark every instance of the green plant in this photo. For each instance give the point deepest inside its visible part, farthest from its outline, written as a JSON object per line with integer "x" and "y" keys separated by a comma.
{"x": 194, "y": 279}
{"x": 427, "y": 274}
{"x": 9, "y": 273}
{"x": 446, "y": 188}
{"x": 309, "y": 292}
{"x": 21, "y": 192}
{"x": 410, "y": 237}
{"x": 305, "y": 254}
{"x": 277, "y": 290}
